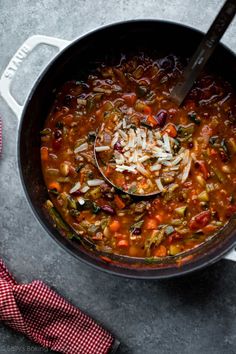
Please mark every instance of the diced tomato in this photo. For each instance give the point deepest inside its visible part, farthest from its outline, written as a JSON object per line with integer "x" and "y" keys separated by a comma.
{"x": 213, "y": 152}
{"x": 203, "y": 169}
{"x": 151, "y": 224}
{"x": 108, "y": 171}
{"x": 230, "y": 210}
{"x": 130, "y": 98}
{"x": 68, "y": 119}
{"x": 123, "y": 243}
{"x": 56, "y": 143}
{"x": 200, "y": 220}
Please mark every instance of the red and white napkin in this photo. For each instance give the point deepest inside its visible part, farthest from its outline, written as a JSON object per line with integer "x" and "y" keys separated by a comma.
{"x": 47, "y": 319}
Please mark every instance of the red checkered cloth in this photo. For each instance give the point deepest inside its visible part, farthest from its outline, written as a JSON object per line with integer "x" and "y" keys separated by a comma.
{"x": 47, "y": 319}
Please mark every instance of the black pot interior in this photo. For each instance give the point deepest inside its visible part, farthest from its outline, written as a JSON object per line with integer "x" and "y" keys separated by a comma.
{"x": 155, "y": 38}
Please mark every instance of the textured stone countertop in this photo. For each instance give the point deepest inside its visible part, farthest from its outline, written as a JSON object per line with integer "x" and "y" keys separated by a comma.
{"x": 195, "y": 314}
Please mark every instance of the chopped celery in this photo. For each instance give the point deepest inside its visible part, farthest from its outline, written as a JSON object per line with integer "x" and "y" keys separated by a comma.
{"x": 169, "y": 230}
{"x": 181, "y": 210}
{"x": 221, "y": 177}
{"x": 203, "y": 196}
{"x": 174, "y": 249}
{"x": 95, "y": 193}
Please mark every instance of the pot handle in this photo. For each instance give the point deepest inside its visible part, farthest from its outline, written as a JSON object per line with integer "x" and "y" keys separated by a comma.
{"x": 231, "y": 255}
{"x": 16, "y": 61}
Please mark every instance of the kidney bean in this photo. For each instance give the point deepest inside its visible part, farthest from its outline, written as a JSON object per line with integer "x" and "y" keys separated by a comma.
{"x": 200, "y": 220}
{"x": 108, "y": 209}
{"x": 69, "y": 100}
{"x": 190, "y": 145}
{"x": 56, "y": 143}
{"x": 136, "y": 231}
{"x": 161, "y": 118}
{"x": 223, "y": 156}
{"x": 118, "y": 147}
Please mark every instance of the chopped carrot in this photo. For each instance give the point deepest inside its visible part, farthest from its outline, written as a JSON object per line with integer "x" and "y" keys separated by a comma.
{"x": 147, "y": 110}
{"x": 159, "y": 218}
{"x": 68, "y": 119}
{"x": 114, "y": 225}
{"x": 44, "y": 153}
{"x": 133, "y": 251}
{"x": 151, "y": 121}
{"x": 129, "y": 98}
{"x": 98, "y": 113}
{"x": 160, "y": 251}
{"x": 108, "y": 171}
{"x": 203, "y": 169}
{"x": 171, "y": 130}
{"x": 119, "y": 202}
{"x": 81, "y": 178}
{"x": 209, "y": 228}
{"x": 120, "y": 180}
{"x": 54, "y": 185}
{"x": 106, "y": 259}
{"x": 123, "y": 243}
{"x": 151, "y": 224}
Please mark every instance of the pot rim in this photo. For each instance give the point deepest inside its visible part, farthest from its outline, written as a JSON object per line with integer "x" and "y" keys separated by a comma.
{"x": 133, "y": 273}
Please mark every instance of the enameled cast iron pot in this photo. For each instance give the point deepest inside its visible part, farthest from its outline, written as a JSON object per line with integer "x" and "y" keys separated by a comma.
{"x": 76, "y": 60}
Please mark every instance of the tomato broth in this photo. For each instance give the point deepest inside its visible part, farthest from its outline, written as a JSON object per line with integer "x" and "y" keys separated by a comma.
{"x": 145, "y": 143}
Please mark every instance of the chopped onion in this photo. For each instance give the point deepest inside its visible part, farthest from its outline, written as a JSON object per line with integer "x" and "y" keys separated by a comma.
{"x": 81, "y": 148}
{"x": 75, "y": 188}
{"x": 159, "y": 184}
{"x": 95, "y": 182}
{"x": 142, "y": 170}
{"x": 84, "y": 189}
{"x": 122, "y": 168}
{"x": 102, "y": 148}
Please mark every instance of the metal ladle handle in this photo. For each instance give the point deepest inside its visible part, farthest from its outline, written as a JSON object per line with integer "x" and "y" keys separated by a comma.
{"x": 203, "y": 52}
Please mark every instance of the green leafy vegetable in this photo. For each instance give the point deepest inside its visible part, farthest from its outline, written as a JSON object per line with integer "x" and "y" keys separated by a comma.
{"x": 193, "y": 117}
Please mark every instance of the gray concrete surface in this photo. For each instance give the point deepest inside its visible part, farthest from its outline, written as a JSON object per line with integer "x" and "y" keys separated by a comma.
{"x": 196, "y": 314}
